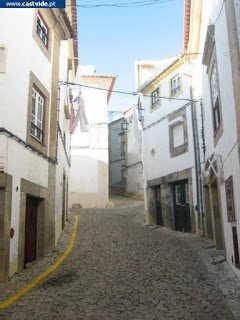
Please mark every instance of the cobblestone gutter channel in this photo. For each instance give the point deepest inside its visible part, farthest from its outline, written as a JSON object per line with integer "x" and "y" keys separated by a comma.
{"x": 121, "y": 268}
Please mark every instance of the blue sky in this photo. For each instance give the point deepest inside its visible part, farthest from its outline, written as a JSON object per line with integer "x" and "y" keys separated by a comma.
{"x": 113, "y": 38}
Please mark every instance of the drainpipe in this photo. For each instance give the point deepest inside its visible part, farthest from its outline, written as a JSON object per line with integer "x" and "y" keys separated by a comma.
{"x": 197, "y": 162}
{"x": 58, "y": 112}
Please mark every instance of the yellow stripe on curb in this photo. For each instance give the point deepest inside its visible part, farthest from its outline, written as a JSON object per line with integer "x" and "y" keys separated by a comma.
{"x": 46, "y": 273}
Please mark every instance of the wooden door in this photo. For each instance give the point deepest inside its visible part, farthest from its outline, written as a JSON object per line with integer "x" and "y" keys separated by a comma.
{"x": 31, "y": 230}
{"x": 158, "y": 206}
{"x": 181, "y": 207}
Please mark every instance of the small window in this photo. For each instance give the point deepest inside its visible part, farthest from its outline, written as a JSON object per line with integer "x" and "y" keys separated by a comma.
{"x": 3, "y": 56}
{"x": 37, "y": 117}
{"x": 215, "y": 97}
{"x": 155, "y": 98}
{"x": 175, "y": 85}
{"x": 42, "y": 31}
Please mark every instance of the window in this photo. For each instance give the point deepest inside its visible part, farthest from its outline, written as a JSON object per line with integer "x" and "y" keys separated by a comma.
{"x": 37, "y": 117}
{"x": 155, "y": 98}
{"x": 178, "y": 135}
{"x": 175, "y": 85}
{"x": 42, "y": 31}
{"x": 215, "y": 98}
{"x": 3, "y": 56}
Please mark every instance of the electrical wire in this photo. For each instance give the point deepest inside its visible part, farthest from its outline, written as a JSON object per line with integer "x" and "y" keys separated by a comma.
{"x": 124, "y": 92}
{"x": 123, "y": 5}
{"x": 219, "y": 13}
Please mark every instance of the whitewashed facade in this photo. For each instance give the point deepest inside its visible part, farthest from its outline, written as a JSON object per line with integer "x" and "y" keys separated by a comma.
{"x": 117, "y": 153}
{"x": 88, "y": 186}
{"x": 221, "y": 171}
{"x": 133, "y": 161}
{"x": 31, "y": 154}
{"x": 168, "y": 145}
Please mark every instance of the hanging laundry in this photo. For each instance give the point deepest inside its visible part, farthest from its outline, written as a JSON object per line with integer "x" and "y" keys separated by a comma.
{"x": 81, "y": 115}
{"x": 78, "y": 102}
{"x": 72, "y": 112}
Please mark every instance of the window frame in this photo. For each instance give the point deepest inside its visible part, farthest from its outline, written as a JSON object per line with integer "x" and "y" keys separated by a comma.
{"x": 36, "y": 131}
{"x": 155, "y": 100}
{"x": 177, "y": 90}
{"x": 42, "y": 24}
{"x": 216, "y": 105}
{"x": 41, "y": 146}
{"x": 4, "y": 62}
{"x": 174, "y": 120}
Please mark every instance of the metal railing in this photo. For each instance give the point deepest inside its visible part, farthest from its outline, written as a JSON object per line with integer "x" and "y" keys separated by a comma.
{"x": 37, "y": 132}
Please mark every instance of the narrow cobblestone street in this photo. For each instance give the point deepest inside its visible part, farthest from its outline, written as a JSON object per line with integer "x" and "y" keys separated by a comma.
{"x": 121, "y": 268}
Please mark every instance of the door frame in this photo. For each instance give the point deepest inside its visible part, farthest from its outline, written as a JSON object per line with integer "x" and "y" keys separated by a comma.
{"x": 32, "y": 202}
{"x": 186, "y": 215}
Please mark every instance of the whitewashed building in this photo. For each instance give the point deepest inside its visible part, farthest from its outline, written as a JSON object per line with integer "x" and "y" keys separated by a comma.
{"x": 133, "y": 160}
{"x": 125, "y": 169}
{"x": 34, "y": 156}
{"x": 89, "y": 185}
{"x": 220, "y": 98}
{"x": 169, "y": 144}
{"x": 117, "y": 153}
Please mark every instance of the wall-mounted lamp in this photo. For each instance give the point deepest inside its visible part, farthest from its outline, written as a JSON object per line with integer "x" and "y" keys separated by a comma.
{"x": 124, "y": 125}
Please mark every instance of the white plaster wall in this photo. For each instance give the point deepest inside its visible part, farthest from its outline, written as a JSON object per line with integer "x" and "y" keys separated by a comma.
{"x": 164, "y": 90}
{"x": 237, "y": 18}
{"x": 227, "y": 145}
{"x": 23, "y": 56}
{"x": 19, "y": 163}
{"x": 84, "y": 170}
{"x": 157, "y": 136}
{"x": 134, "y": 171}
{"x": 88, "y": 151}
{"x": 161, "y": 163}
{"x": 116, "y": 175}
{"x": 63, "y": 165}
{"x": 135, "y": 179}
{"x": 21, "y": 59}
{"x": 115, "y": 156}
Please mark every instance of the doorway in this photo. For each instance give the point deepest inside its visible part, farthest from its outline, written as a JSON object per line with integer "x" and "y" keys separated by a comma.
{"x": 208, "y": 215}
{"x": 30, "y": 252}
{"x": 181, "y": 207}
{"x": 159, "y": 218}
{"x": 218, "y": 232}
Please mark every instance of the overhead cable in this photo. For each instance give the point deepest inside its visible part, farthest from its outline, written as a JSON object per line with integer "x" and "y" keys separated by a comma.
{"x": 133, "y": 4}
{"x": 124, "y": 92}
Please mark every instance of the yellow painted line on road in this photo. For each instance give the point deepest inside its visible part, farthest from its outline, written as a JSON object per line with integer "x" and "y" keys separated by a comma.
{"x": 47, "y": 272}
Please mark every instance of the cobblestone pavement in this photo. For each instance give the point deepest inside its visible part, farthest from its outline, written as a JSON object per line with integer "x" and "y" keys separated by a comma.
{"x": 121, "y": 268}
